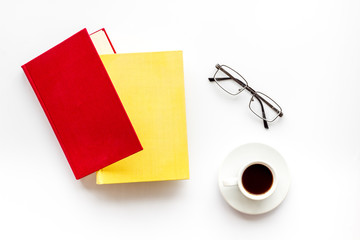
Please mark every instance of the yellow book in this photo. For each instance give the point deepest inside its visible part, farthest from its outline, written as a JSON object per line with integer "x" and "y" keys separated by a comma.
{"x": 151, "y": 88}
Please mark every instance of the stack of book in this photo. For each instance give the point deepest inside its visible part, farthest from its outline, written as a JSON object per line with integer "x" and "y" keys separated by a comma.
{"x": 122, "y": 115}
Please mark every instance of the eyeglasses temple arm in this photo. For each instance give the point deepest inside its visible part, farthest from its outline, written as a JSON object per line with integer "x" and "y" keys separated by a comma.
{"x": 252, "y": 91}
{"x": 266, "y": 126}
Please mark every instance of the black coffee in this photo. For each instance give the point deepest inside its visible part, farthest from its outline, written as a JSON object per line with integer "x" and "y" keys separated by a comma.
{"x": 257, "y": 179}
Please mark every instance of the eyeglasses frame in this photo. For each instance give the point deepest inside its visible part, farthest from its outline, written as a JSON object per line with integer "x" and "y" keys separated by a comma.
{"x": 254, "y": 93}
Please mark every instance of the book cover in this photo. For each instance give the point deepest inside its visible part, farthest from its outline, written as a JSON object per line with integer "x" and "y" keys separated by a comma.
{"x": 82, "y": 106}
{"x": 151, "y": 87}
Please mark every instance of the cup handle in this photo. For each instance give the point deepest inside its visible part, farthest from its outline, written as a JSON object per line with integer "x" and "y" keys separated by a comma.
{"x": 230, "y": 182}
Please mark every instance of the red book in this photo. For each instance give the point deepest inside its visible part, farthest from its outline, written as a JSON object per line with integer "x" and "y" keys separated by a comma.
{"x": 82, "y": 106}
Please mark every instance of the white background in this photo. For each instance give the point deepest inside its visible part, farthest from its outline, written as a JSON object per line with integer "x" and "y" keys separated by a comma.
{"x": 304, "y": 54}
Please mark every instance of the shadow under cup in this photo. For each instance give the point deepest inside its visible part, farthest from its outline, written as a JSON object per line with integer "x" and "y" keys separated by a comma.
{"x": 257, "y": 181}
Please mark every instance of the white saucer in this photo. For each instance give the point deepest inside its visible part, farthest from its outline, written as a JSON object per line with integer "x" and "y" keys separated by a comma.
{"x": 245, "y": 154}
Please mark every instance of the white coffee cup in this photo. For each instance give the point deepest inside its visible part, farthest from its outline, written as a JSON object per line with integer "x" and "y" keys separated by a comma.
{"x": 255, "y": 172}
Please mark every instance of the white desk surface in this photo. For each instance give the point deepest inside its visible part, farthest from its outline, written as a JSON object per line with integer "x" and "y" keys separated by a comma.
{"x": 304, "y": 54}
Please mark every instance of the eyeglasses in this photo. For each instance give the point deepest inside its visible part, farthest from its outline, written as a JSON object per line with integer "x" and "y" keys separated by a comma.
{"x": 260, "y": 104}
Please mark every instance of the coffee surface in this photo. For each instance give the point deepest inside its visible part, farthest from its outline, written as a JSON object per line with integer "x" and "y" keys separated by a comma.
{"x": 257, "y": 179}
